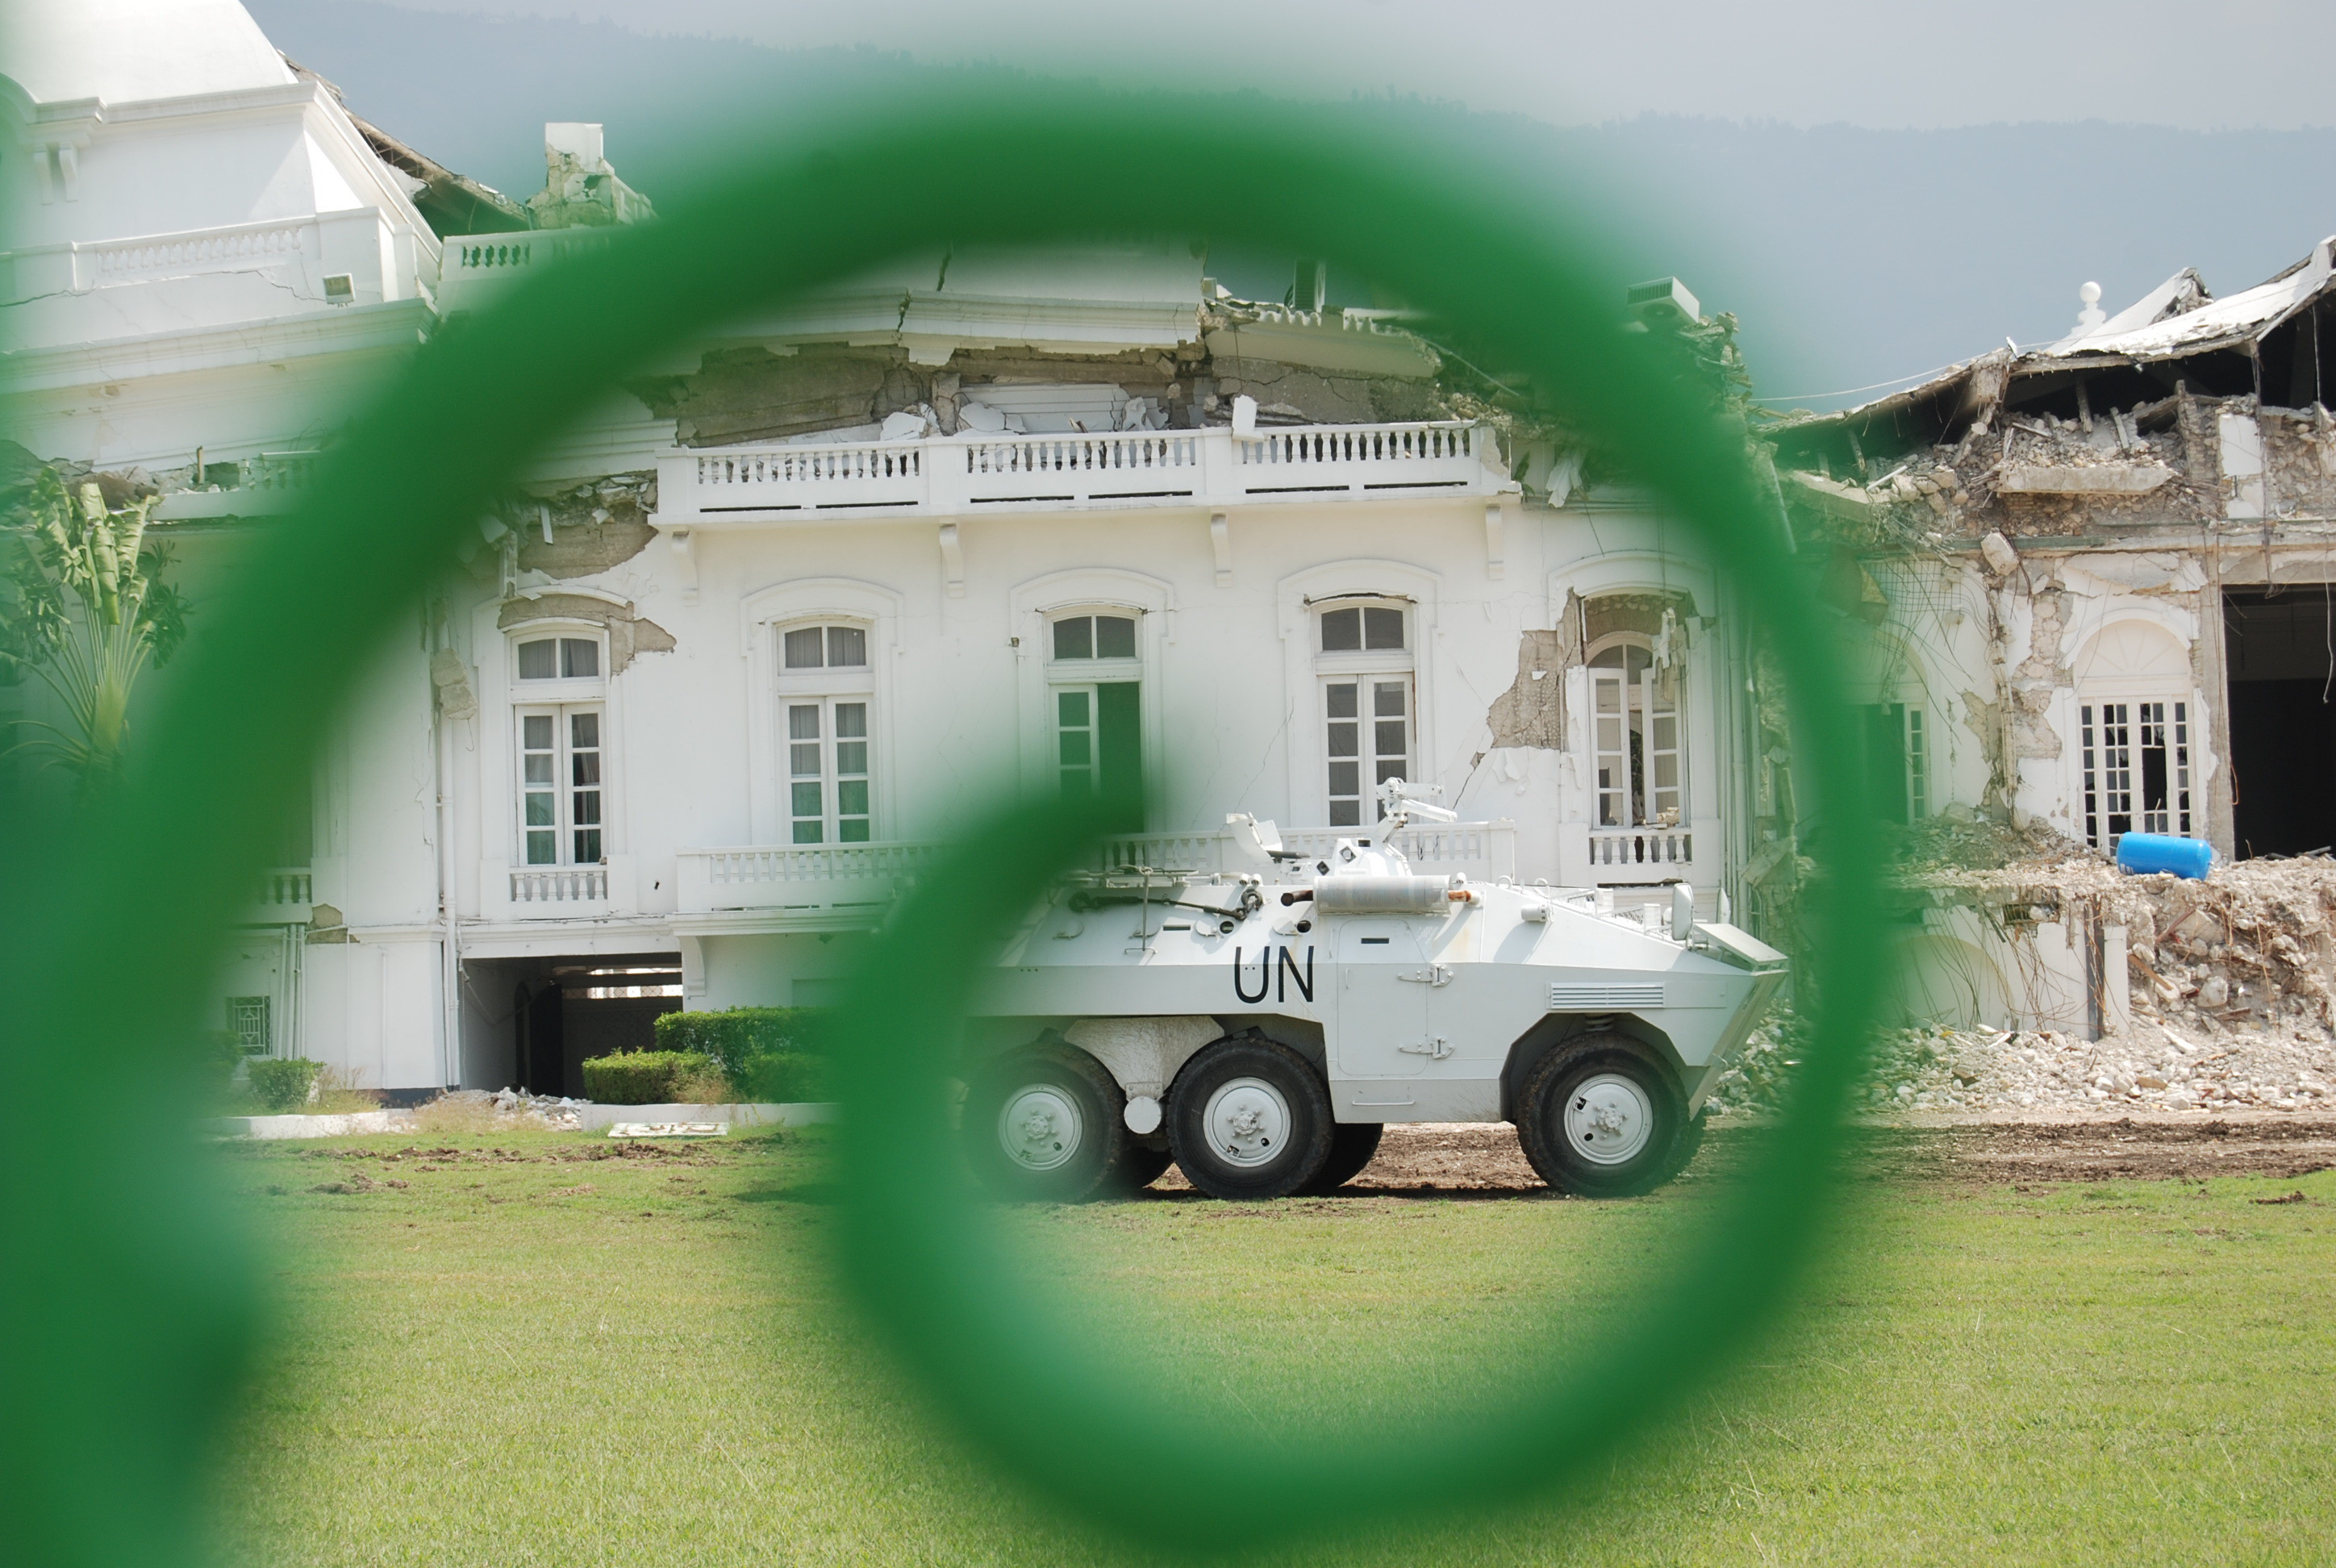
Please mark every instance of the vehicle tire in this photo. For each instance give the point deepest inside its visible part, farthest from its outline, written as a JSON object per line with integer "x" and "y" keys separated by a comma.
{"x": 1046, "y": 1126}
{"x": 1685, "y": 1147}
{"x": 1139, "y": 1167}
{"x": 1601, "y": 1118}
{"x": 1249, "y": 1118}
{"x": 1352, "y": 1145}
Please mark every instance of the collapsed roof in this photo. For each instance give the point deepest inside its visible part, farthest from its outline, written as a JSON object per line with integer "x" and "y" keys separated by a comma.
{"x": 2263, "y": 342}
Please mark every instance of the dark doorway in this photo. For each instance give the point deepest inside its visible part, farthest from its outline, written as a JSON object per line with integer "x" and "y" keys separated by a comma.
{"x": 2281, "y": 655}
{"x": 545, "y": 1064}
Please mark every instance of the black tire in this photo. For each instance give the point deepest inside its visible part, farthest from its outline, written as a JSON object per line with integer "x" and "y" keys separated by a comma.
{"x": 1273, "y": 1110}
{"x": 1071, "y": 1138}
{"x": 1352, "y": 1145}
{"x": 1601, "y": 1118}
{"x": 1688, "y": 1144}
{"x": 1139, "y": 1167}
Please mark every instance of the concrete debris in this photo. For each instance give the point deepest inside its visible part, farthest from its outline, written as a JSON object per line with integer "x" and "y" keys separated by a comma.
{"x": 479, "y": 1110}
{"x": 2231, "y": 988}
{"x": 581, "y": 188}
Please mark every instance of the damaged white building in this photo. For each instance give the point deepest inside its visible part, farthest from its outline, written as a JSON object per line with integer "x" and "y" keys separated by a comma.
{"x": 2086, "y": 588}
{"x": 751, "y": 644}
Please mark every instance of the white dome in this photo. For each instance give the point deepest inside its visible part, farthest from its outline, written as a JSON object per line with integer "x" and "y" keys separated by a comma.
{"x": 124, "y": 51}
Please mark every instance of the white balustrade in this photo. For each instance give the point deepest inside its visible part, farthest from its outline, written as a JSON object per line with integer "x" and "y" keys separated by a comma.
{"x": 559, "y": 884}
{"x": 1315, "y": 445}
{"x": 490, "y": 256}
{"x": 1171, "y": 457}
{"x": 1166, "y": 851}
{"x": 1651, "y": 846}
{"x": 791, "y": 478}
{"x": 816, "y": 881}
{"x": 850, "y": 884}
{"x": 285, "y": 886}
{"x": 234, "y": 250}
{"x": 956, "y": 475}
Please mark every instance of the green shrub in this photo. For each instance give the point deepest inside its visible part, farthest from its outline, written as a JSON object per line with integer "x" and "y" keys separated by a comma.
{"x": 783, "y": 1077}
{"x": 741, "y": 1034}
{"x": 221, "y": 1053}
{"x": 641, "y": 1077}
{"x": 279, "y": 1084}
{"x": 768, "y": 1054}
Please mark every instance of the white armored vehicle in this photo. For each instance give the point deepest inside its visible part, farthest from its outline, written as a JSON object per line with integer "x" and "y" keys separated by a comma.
{"x": 1259, "y": 1028}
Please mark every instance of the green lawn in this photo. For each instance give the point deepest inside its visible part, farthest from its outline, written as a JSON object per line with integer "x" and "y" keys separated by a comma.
{"x": 538, "y": 1356}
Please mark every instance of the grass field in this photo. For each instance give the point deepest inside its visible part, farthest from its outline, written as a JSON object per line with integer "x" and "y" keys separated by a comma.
{"x": 525, "y": 1354}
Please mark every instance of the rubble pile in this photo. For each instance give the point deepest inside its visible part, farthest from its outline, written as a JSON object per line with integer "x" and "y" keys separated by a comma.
{"x": 2231, "y": 1003}
{"x": 506, "y": 1108}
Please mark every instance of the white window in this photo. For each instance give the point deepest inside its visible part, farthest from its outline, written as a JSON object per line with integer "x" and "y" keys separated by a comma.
{"x": 825, "y": 693}
{"x": 559, "y": 731}
{"x": 1639, "y": 753}
{"x": 560, "y": 787}
{"x": 809, "y": 647}
{"x": 1095, "y": 693}
{"x": 827, "y": 770}
{"x": 559, "y": 658}
{"x": 2136, "y": 758}
{"x": 1369, "y": 725}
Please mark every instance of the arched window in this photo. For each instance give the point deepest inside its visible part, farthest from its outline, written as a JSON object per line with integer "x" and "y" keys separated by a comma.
{"x": 826, "y": 687}
{"x": 1363, "y": 666}
{"x": 1095, "y": 694}
{"x": 1638, "y": 748}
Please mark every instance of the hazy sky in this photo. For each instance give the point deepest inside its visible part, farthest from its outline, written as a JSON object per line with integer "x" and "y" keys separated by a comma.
{"x": 1853, "y": 254}
{"x": 1876, "y": 63}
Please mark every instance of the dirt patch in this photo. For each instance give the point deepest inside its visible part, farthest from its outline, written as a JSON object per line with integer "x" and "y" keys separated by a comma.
{"x": 1470, "y": 1160}
{"x": 2131, "y": 1151}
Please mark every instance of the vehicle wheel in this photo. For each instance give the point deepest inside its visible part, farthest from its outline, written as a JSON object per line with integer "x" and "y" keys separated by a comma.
{"x": 1044, "y": 1126}
{"x": 1139, "y": 1167}
{"x": 1249, "y": 1118}
{"x": 1352, "y": 1145}
{"x": 1598, "y": 1119}
{"x": 1684, "y": 1149}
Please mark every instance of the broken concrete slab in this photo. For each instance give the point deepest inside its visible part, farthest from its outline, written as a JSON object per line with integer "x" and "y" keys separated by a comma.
{"x": 2101, "y": 480}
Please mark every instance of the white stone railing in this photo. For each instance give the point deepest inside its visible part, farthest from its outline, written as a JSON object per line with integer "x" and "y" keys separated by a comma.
{"x": 298, "y": 254}
{"x": 476, "y": 264}
{"x": 808, "y": 881}
{"x": 957, "y": 476}
{"x": 851, "y": 883}
{"x": 281, "y": 896}
{"x": 1171, "y": 457}
{"x": 1392, "y": 445}
{"x": 1666, "y": 847}
{"x": 1386, "y": 322}
{"x": 285, "y": 885}
{"x": 559, "y": 884}
{"x": 232, "y": 250}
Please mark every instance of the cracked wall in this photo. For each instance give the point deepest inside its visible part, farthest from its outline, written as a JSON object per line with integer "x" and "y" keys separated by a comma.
{"x": 630, "y": 635}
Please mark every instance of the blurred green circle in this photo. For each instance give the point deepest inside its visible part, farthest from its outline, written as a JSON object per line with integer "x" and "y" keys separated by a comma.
{"x": 129, "y": 1307}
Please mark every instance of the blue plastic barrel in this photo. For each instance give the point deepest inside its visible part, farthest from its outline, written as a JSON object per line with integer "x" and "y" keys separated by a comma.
{"x": 2142, "y": 854}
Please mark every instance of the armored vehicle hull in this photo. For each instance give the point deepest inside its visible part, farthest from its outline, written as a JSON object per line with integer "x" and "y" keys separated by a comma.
{"x": 1261, "y": 1029}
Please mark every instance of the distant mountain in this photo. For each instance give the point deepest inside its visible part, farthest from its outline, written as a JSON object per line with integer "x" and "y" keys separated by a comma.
{"x": 1851, "y": 255}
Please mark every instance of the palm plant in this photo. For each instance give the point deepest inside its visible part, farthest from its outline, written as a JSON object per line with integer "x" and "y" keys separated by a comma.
{"x": 84, "y": 607}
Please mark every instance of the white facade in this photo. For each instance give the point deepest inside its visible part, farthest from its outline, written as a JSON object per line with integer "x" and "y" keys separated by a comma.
{"x": 595, "y": 751}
